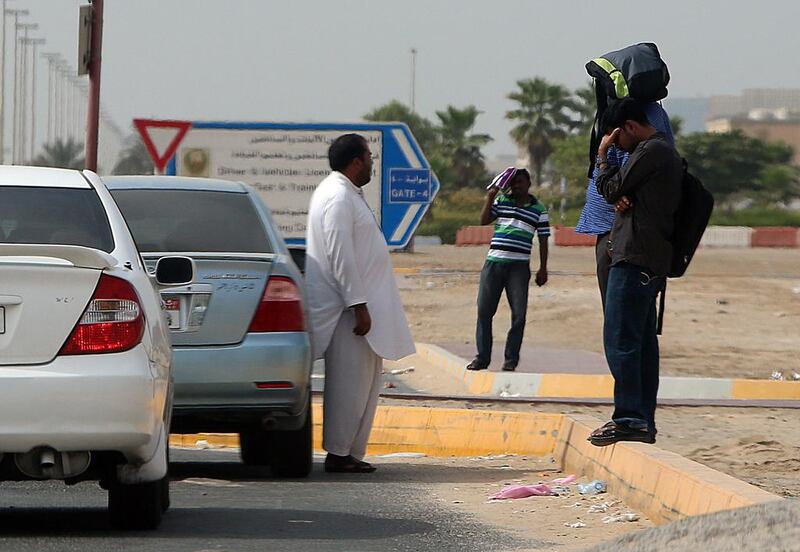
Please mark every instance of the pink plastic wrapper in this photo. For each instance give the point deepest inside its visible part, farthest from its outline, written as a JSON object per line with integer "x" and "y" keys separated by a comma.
{"x": 565, "y": 480}
{"x": 522, "y": 491}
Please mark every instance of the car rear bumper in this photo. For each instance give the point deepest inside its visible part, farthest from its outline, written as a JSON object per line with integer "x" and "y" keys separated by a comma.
{"x": 110, "y": 402}
{"x": 220, "y": 378}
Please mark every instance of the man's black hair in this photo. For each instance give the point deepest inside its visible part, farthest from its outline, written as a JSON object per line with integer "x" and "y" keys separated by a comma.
{"x": 344, "y": 149}
{"x": 626, "y": 109}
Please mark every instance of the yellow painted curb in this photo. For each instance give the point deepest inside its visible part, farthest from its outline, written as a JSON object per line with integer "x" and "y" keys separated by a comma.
{"x": 601, "y": 386}
{"x": 663, "y": 485}
{"x": 774, "y": 390}
{"x": 576, "y": 385}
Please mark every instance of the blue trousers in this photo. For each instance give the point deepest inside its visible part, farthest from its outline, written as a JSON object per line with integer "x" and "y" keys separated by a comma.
{"x": 631, "y": 343}
{"x": 513, "y": 277}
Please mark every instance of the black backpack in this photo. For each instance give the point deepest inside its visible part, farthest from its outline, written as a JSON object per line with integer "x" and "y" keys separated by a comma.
{"x": 691, "y": 219}
{"x": 637, "y": 72}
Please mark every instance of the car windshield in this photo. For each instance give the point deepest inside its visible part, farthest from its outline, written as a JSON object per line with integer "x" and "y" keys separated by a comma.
{"x": 192, "y": 221}
{"x": 54, "y": 216}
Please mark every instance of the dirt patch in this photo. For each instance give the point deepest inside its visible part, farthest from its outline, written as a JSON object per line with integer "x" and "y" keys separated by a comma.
{"x": 542, "y": 518}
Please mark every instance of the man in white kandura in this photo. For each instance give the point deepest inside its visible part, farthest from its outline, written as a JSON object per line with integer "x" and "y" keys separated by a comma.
{"x": 357, "y": 316}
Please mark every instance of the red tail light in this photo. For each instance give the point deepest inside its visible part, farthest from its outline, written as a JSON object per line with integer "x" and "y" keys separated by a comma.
{"x": 281, "y": 308}
{"x": 112, "y": 322}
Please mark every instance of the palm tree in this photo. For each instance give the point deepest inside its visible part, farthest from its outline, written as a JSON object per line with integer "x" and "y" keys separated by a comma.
{"x": 543, "y": 115}
{"x": 420, "y": 127}
{"x": 586, "y": 102}
{"x": 134, "y": 159}
{"x": 65, "y": 154}
{"x": 460, "y": 148}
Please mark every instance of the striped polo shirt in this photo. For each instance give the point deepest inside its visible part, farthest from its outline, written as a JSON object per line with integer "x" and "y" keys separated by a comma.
{"x": 514, "y": 228}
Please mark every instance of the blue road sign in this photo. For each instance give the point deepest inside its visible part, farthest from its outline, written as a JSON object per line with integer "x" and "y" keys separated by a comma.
{"x": 285, "y": 162}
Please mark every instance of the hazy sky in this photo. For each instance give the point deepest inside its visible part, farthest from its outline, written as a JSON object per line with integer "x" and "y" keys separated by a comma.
{"x": 333, "y": 60}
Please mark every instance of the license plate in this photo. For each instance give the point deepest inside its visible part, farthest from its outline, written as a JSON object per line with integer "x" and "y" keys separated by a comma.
{"x": 172, "y": 306}
{"x": 2, "y": 320}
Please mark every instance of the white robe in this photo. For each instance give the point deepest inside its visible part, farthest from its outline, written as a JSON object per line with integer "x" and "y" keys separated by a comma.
{"x": 348, "y": 263}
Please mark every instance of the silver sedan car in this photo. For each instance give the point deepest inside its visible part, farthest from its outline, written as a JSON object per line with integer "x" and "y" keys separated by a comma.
{"x": 242, "y": 350}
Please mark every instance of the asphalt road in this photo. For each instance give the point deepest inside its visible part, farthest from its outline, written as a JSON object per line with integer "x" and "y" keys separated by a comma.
{"x": 218, "y": 504}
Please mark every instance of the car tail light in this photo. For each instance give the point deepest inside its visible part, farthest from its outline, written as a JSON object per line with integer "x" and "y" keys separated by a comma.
{"x": 280, "y": 309}
{"x": 112, "y": 322}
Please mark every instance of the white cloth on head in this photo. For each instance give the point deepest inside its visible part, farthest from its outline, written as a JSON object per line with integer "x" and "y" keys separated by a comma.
{"x": 348, "y": 263}
{"x": 352, "y": 385}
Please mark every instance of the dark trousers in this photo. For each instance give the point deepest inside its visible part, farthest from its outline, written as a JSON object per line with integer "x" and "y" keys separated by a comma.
{"x": 631, "y": 344}
{"x": 603, "y": 264}
{"x": 513, "y": 277}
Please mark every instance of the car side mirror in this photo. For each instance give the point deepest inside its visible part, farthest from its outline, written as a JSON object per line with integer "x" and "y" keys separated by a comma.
{"x": 174, "y": 271}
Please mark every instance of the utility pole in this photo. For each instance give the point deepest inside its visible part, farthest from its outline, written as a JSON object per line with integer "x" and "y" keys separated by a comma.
{"x": 35, "y": 42}
{"x": 93, "y": 114}
{"x": 23, "y": 88}
{"x": 3, "y": 87}
{"x": 16, "y": 14}
{"x": 413, "y": 79}
{"x": 51, "y": 58}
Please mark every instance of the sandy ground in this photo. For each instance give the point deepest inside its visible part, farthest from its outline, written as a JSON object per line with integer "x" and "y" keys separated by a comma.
{"x": 543, "y": 517}
{"x": 735, "y": 314}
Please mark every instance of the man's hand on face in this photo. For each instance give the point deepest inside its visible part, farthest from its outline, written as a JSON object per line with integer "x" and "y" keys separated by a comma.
{"x": 608, "y": 140}
{"x": 363, "y": 320}
{"x": 541, "y": 277}
{"x": 623, "y": 205}
{"x": 492, "y": 193}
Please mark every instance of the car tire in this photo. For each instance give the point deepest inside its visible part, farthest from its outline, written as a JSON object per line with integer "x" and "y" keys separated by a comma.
{"x": 138, "y": 506}
{"x": 165, "y": 499}
{"x": 292, "y": 453}
{"x": 289, "y": 453}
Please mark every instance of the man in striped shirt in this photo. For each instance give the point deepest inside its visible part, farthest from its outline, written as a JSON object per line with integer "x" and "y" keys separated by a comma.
{"x": 517, "y": 215}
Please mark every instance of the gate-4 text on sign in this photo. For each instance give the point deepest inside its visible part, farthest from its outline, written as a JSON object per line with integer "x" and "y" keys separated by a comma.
{"x": 286, "y": 161}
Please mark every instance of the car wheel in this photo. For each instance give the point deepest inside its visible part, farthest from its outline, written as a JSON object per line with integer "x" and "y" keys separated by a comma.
{"x": 165, "y": 500}
{"x": 289, "y": 453}
{"x": 137, "y": 506}
{"x": 292, "y": 452}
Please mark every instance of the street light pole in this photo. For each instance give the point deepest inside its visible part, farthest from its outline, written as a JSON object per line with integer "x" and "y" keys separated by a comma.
{"x": 3, "y": 88}
{"x": 413, "y": 79}
{"x": 23, "y": 99}
{"x": 93, "y": 113}
{"x": 50, "y": 57}
{"x": 35, "y": 42}
{"x": 16, "y": 14}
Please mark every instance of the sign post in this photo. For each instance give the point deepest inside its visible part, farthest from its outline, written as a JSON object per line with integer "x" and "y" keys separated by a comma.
{"x": 285, "y": 162}
{"x": 161, "y": 139}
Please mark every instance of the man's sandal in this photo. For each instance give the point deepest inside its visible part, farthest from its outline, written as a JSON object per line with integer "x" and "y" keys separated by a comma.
{"x": 613, "y": 432}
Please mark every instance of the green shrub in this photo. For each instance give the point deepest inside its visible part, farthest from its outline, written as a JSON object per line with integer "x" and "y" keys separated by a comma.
{"x": 756, "y": 216}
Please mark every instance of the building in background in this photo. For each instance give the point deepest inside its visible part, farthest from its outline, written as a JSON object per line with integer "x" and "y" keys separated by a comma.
{"x": 769, "y": 125}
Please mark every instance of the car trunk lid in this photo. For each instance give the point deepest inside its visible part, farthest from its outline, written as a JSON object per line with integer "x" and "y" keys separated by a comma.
{"x": 218, "y": 306}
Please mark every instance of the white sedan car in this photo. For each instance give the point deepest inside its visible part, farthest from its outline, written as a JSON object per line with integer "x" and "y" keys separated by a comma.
{"x": 85, "y": 357}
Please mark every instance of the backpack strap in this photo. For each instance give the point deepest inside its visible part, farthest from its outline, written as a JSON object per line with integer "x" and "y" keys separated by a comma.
{"x": 661, "y": 304}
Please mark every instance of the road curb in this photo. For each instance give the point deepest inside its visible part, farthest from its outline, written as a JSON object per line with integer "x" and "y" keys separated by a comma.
{"x": 662, "y": 485}
{"x": 596, "y": 386}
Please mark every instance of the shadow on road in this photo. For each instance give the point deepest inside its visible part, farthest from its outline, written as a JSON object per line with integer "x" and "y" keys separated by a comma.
{"x": 394, "y": 472}
{"x": 212, "y": 523}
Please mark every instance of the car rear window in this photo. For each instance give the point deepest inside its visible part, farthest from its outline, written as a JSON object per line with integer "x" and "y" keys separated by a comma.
{"x": 54, "y": 216}
{"x": 193, "y": 221}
